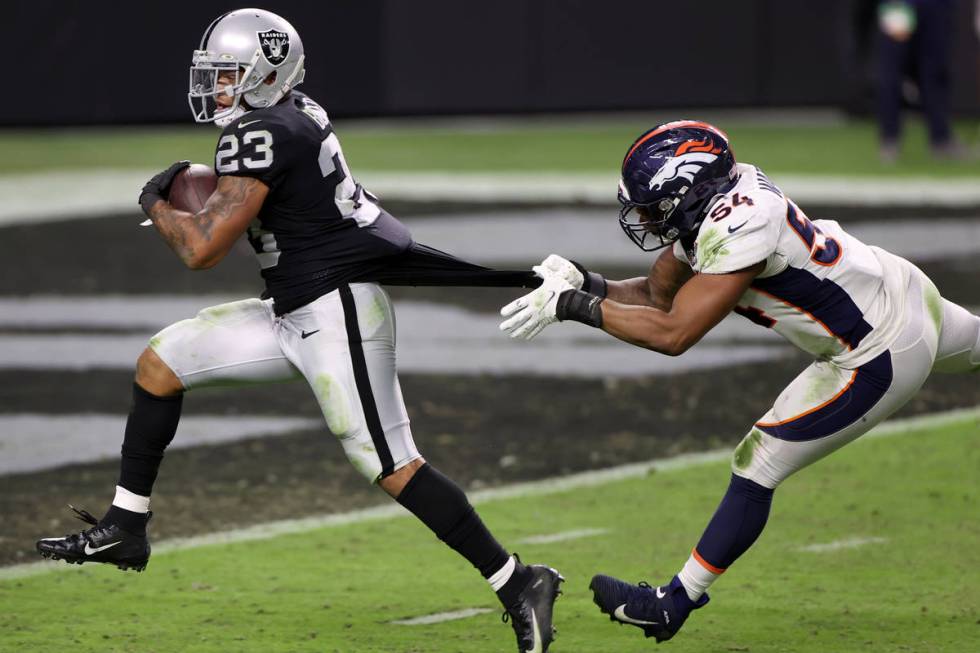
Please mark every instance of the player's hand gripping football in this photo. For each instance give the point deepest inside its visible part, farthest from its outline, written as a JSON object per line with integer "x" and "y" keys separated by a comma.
{"x": 159, "y": 186}
{"x": 527, "y": 316}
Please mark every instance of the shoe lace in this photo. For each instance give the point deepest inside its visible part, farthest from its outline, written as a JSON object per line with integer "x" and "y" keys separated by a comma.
{"x": 643, "y": 602}
{"x": 84, "y": 515}
{"x": 88, "y": 518}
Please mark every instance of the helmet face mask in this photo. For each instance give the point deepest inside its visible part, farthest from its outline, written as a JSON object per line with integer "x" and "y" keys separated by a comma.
{"x": 643, "y": 221}
{"x": 671, "y": 176}
{"x": 205, "y": 86}
{"x": 263, "y": 53}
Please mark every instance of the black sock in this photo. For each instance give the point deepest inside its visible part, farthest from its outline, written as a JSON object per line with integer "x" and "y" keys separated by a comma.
{"x": 129, "y": 521}
{"x": 151, "y": 426}
{"x": 442, "y": 506}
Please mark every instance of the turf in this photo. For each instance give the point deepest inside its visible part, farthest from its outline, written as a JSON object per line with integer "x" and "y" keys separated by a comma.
{"x": 335, "y": 589}
{"x": 823, "y": 149}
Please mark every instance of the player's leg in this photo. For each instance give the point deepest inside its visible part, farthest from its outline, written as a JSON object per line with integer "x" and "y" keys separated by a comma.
{"x": 931, "y": 47}
{"x": 891, "y": 57}
{"x": 959, "y": 340}
{"x": 348, "y": 357}
{"x": 231, "y": 343}
{"x": 823, "y": 409}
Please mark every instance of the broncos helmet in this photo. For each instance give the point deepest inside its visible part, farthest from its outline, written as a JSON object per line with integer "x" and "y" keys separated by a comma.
{"x": 670, "y": 177}
{"x": 252, "y": 44}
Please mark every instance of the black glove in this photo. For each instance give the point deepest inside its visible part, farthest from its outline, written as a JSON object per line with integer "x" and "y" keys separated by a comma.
{"x": 159, "y": 186}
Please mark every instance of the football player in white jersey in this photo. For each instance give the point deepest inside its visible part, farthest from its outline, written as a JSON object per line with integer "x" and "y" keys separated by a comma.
{"x": 324, "y": 245}
{"x": 732, "y": 241}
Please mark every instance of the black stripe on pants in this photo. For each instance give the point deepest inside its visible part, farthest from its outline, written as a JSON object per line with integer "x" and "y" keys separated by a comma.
{"x": 363, "y": 382}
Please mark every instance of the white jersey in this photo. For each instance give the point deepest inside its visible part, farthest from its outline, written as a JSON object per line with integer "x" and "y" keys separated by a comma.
{"x": 823, "y": 290}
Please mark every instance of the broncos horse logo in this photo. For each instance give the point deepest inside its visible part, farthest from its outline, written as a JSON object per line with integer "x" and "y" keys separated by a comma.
{"x": 687, "y": 161}
{"x": 684, "y": 166}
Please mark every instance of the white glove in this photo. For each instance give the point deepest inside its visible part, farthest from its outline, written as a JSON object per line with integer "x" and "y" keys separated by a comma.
{"x": 530, "y": 314}
{"x": 555, "y": 265}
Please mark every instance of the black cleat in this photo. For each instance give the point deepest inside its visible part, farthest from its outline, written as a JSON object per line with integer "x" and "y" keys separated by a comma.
{"x": 531, "y": 615}
{"x": 659, "y": 611}
{"x": 102, "y": 543}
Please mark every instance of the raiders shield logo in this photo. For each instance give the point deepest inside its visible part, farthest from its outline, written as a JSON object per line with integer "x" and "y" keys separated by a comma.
{"x": 275, "y": 46}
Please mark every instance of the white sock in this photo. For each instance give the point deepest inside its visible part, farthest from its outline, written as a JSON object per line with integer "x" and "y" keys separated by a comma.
{"x": 129, "y": 501}
{"x": 502, "y": 575}
{"x": 695, "y": 578}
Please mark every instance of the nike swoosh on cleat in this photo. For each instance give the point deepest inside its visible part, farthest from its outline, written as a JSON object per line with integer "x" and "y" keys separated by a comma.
{"x": 242, "y": 125}
{"x": 620, "y": 613}
{"x": 660, "y": 593}
{"x": 537, "y": 648}
{"x": 89, "y": 550}
{"x": 731, "y": 230}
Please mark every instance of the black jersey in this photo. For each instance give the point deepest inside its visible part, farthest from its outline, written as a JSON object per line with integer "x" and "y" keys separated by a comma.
{"x": 317, "y": 228}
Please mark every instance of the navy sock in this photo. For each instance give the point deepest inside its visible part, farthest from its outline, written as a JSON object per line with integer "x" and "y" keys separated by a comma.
{"x": 736, "y": 524}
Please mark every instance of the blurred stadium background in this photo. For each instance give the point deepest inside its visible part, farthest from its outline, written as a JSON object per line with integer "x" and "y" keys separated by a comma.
{"x": 495, "y": 132}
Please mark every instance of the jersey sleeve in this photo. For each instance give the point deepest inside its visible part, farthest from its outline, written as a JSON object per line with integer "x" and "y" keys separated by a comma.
{"x": 255, "y": 148}
{"x": 746, "y": 236}
{"x": 679, "y": 252}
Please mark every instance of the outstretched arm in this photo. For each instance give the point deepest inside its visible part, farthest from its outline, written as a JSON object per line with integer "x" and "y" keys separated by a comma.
{"x": 657, "y": 289}
{"x": 202, "y": 239}
{"x": 698, "y": 305}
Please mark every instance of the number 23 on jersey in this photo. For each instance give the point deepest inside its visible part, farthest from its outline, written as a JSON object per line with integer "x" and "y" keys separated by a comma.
{"x": 226, "y": 157}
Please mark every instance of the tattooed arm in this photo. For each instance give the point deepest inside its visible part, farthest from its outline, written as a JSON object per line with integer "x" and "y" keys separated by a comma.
{"x": 202, "y": 239}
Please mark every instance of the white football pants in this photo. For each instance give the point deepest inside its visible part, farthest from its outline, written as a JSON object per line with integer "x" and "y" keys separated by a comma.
{"x": 827, "y": 406}
{"x": 343, "y": 344}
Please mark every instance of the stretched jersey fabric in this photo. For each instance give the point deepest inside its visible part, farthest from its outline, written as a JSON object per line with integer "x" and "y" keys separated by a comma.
{"x": 823, "y": 290}
{"x": 318, "y": 228}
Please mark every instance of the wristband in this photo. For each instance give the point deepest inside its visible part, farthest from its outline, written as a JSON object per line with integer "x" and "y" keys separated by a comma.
{"x": 595, "y": 284}
{"x": 579, "y": 306}
{"x": 592, "y": 282}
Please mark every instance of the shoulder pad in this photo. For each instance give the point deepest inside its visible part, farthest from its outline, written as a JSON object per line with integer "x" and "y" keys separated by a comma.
{"x": 741, "y": 230}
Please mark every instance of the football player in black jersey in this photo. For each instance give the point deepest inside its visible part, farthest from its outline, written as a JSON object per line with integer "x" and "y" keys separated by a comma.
{"x": 323, "y": 243}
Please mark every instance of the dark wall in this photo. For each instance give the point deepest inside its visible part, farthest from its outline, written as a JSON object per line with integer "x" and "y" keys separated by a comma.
{"x": 105, "y": 62}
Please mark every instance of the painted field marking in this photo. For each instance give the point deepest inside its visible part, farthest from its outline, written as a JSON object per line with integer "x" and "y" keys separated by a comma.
{"x": 532, "y": 488}
{"x": 439, "y": 617}
{"x": 564, "y": 536}
{"x": 103, "y": 191}
{"x": 846, "y": 543}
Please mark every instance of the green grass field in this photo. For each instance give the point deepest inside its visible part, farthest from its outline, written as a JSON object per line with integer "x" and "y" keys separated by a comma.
{"x": 336, "y": 589}
{"x": 826, "y": 149}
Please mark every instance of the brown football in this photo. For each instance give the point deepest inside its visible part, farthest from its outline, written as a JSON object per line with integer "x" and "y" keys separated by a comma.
{"x": 192, "y": 187}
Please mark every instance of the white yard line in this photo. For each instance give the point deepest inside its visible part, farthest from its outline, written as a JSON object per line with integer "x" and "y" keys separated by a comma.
{"x": 28, "y": 198}
{"x": 433, "y": 339}
{"x": 532, "y": 488}
{"x": 31, "y": 442}
{"x": 837, "y": 545}
{"x": 564, "y": 536}
{"x": 440, "y": 617}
